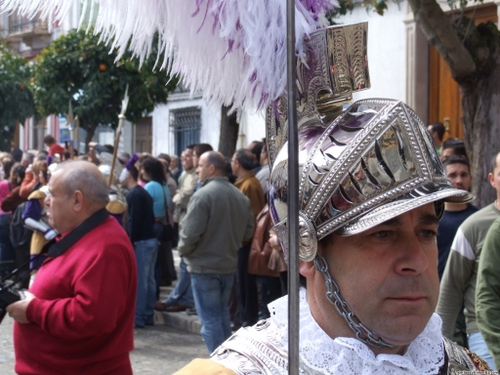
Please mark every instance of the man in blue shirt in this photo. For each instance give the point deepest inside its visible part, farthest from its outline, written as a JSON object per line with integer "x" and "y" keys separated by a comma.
{"x": 458, "y": 171}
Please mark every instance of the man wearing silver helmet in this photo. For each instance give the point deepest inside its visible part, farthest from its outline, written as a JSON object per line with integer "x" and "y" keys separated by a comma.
{"x": 371, "y": 194}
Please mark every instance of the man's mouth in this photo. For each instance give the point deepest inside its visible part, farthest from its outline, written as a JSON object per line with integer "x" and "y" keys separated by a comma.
{"x": 408, "y": 299}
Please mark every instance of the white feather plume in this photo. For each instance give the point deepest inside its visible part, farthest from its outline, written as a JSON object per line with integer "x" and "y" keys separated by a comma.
{"x": 234, "y": 51}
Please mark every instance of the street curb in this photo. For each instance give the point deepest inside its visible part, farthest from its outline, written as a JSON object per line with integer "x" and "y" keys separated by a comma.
{"x": 182, "y": 321}
{"x": 179, "y": 320}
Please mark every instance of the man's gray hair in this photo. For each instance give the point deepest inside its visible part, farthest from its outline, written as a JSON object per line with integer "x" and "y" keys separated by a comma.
{"x": 92, "y": 185}
{"x": 29, "y": 157}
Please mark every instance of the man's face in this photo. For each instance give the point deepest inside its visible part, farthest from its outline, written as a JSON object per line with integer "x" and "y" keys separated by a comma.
{"x": 188, "y": 159}
{"x": 263, "y": 158}
{"x": 435, "y": 137}
{"x": 60, "y": 206}
{"x": 196, "y": 159}
{"x": 173, "y": 164}
{"x": 203, "y": 169}
{"x": 387, "y": 275}
{"x": 459, "y": 176}
{"x": 495, "y": 177}
{"x": 234, "y": 165}
{"x": 183, "y": 160}
{"x": 446, "y": 153}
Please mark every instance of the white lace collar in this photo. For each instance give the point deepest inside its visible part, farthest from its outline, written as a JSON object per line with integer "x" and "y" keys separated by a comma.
{"x": 321, "y": 354}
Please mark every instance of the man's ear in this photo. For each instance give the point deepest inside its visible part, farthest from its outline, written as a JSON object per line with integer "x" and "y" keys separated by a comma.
{"x": 491, "y": 179}
{"x": 307, "y": 269}
{"x": 78, "y": 200}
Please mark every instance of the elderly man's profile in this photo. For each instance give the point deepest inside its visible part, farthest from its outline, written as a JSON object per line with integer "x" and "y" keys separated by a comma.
{"x": 78, "y": 316}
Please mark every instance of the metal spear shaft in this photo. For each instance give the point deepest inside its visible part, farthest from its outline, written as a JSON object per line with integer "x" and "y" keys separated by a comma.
{"x": 121, "y": 123}
{"x": 293, "y": 198}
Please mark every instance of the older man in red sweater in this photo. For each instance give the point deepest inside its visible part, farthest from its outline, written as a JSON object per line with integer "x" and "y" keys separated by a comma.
{"x": 78, "y": 317}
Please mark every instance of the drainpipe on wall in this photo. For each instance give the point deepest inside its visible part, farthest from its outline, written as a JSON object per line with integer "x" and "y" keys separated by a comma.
{"x": 242, "y": 136}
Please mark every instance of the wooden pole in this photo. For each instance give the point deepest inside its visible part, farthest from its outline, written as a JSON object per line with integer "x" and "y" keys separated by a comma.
{"x": 121, "y": 123}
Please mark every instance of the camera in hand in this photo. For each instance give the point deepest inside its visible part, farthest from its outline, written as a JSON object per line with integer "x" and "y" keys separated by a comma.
{"x": 8, "y": 295}
{"x": 8, "y": 292}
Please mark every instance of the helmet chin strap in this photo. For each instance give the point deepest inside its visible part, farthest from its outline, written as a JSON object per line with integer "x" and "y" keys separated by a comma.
{"x": 333, "y": 294}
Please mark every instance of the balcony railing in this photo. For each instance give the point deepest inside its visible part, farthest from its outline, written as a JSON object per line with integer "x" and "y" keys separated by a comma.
{"x": 28, "y": 26}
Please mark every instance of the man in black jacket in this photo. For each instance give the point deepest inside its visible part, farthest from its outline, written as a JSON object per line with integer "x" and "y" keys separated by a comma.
{"x": 140, "y": 221}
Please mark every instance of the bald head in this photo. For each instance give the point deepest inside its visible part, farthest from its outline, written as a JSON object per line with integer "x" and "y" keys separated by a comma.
{"x": 211, "y": 164}
{"x": 77, "y": 190}
{"x": 85, "y": 177}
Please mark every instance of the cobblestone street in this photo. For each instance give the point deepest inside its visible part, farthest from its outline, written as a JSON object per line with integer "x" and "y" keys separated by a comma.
{"x": 158, "y": 349}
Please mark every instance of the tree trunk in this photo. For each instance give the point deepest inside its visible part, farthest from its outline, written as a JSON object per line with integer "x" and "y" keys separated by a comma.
{"x": 90, "y": 129}
{"x": 229, "y": 128}
{"x": 481, "y": 121}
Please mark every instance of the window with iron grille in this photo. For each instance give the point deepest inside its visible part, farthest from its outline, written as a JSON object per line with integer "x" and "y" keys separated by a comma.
{"x": 185, "y": 124}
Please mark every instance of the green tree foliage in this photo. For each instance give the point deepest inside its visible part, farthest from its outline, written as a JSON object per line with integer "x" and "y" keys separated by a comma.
{"x": 77, "y": 67}
{"x": 16, "y": 100}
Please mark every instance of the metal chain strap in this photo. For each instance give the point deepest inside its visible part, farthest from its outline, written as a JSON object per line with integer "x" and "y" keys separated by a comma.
{"x": 333, "y": 294}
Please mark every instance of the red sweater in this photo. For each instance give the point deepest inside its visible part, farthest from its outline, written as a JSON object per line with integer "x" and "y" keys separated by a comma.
{"x": 82, "y": 321}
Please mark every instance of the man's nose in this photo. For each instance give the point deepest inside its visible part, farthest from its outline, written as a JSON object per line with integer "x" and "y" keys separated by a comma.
{"x": 413, "y": 258}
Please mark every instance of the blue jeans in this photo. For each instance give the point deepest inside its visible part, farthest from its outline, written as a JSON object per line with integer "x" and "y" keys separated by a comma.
{"x": 145, "y": 254}
{"x": 478, "y": 345}
{"x": 211, "y": 296}
{"x": 182, "y": 293}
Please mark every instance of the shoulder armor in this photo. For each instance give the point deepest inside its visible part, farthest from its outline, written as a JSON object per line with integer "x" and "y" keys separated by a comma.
{"x": 459, "y": 359}
{"x": 252, "y": 351}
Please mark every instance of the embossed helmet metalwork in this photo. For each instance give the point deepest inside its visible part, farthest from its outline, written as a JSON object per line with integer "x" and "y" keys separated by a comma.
{"x": 372, "y": 162}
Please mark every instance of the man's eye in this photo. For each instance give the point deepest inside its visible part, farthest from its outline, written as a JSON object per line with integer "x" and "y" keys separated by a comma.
{"x": 428, "y": 233}
{"x": 382, "y": 234}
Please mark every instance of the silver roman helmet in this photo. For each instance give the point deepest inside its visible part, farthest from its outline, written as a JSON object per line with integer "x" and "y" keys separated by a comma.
{"x": 358, "y": 167}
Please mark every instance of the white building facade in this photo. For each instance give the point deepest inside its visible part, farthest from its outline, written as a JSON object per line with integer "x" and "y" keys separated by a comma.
{"x": 189, "y": 119}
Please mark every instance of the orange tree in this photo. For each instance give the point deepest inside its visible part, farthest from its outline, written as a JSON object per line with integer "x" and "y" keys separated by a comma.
{"x": 77, "y": 68}
{"x": 16, "y": 100}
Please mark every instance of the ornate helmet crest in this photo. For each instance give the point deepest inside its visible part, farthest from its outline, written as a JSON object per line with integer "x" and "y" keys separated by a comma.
{"x": 372, "y": 162}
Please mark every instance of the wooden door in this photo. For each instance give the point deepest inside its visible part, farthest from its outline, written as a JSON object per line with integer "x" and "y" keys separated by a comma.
{"x": 444, "y": 97}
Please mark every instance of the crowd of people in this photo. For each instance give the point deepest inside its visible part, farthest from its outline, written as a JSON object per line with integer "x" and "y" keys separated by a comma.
{"x": 206, "y": 208}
